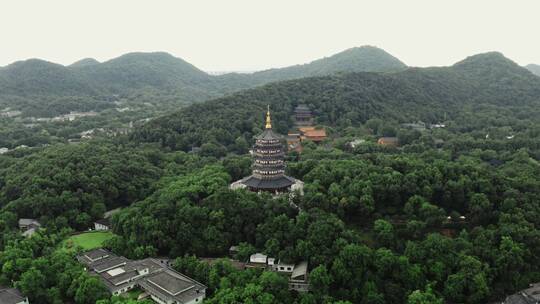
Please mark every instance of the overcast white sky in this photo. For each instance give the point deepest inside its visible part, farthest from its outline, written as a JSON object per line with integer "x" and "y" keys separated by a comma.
{"x": 250, "y": 34}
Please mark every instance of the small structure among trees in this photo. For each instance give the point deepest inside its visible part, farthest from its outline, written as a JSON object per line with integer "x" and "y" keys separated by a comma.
{"x": 28, "y": 226}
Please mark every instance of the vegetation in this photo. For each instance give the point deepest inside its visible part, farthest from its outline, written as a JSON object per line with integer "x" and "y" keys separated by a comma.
{"x": 482, "y": 83}
{"x": 41, "y": 88}
{"x": 449, "y": 216}
{"x": 87, "y": 240}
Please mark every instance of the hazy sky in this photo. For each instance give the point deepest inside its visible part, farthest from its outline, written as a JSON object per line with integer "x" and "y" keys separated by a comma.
{"x": 250, "y": 34}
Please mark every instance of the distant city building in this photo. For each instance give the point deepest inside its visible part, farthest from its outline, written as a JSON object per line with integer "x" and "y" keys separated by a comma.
{"x": 163, "y": 284}
{"x": 12, "y": 296}
{"x": 268, "y": 169}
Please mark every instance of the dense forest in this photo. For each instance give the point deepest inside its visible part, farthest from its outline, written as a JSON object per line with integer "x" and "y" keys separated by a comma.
{"x": 431, "y": 95}
{"x": 449, "y": 216}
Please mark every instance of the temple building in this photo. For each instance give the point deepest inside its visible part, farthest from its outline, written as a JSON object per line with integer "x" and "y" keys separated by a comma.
{"x": 268, "y": 169}
{"x": 303, "y": 116}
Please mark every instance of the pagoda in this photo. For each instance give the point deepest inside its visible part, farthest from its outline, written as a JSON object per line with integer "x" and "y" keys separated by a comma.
{"x": 303, "y": 116}
{"x": 268, "y": 169}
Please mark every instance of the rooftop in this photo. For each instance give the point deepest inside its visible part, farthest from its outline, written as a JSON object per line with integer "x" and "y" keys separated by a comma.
{"x": 96, "y": 254}
{"x": 277, "y": 183}
{"x": 11, "y": 296}
{"x": 28, "y": 222}
{"x": 300, "y": 269}
{"x": 153, "y": 275}
{"x": 103, "y": 221}
{"x": 315, "y": 133}
{"x": 171, "y": 284}
{"x": 268, "y": 134}
{"x": 109, "y": 263}
{"x": 258, "y": 258}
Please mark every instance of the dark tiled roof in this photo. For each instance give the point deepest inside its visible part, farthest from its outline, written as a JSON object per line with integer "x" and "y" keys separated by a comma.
{"x": 519, "y": 299}
{"x": 96, "y": 254}
{"x": 171, "y": 284}
{"x": 268, "y": 134}
{"x": 104, "y": 222}
{"x": 278, "y": 183}
{"x": 109, "y": 263}
{"x": 153, "y": 275}
{"x": 10, "y": 296}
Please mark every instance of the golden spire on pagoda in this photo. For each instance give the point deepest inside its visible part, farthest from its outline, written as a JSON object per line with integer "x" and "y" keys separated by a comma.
{"x": 268, "y": 120}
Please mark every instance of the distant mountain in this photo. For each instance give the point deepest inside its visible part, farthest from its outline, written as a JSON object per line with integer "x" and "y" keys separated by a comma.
{"x": 163, "y": 74}
{"x": 39, "y": 77}
{"x": 349, "y": 99}
{"x": 358, "y": 59}
{"x": 139, "y": 70}
{"x": 84, "y": 62}
{"x": 534, "y": 68}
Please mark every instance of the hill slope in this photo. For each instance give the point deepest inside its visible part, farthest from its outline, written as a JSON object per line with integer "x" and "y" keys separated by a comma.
{"x": 534, "y": 68}
{"x": 359, "y": 59}
{"x": 37, "y": 77}
{"x": 138, "y": 70}
{"x": 350, "y": 99}
{"x": 161, "y": 74}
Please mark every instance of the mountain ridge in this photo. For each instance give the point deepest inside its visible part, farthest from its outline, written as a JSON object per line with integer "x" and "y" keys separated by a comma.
{"x": 160, "y": 70}
{"x": 426, "y": 94}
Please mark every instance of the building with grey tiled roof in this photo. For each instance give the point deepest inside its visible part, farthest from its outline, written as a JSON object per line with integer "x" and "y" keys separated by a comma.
{"x": 12, "y": 296}
{"x": 163, "y": 284}
{"x": 530, "y": 295}
{"x": 169, "y": 286}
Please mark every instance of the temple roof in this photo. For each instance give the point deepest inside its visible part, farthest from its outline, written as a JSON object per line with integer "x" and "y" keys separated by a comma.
{"x": 268, "y": 134}
{"x": 281, "y": 182}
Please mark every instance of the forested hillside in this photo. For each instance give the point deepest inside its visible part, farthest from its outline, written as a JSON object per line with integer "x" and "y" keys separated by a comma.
{"x": 360, "y": 59}
{"x": 430, "y": 95}
{"x": 450, "y": 215}
{"x": 34, "y": 82}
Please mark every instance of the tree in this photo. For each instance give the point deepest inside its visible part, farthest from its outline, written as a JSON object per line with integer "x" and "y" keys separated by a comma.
{"x": 424, "y": 297}
{"x": 90, "y": 290}
{"x": 384, "y": 232}
{"x": 320, "y": 280}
